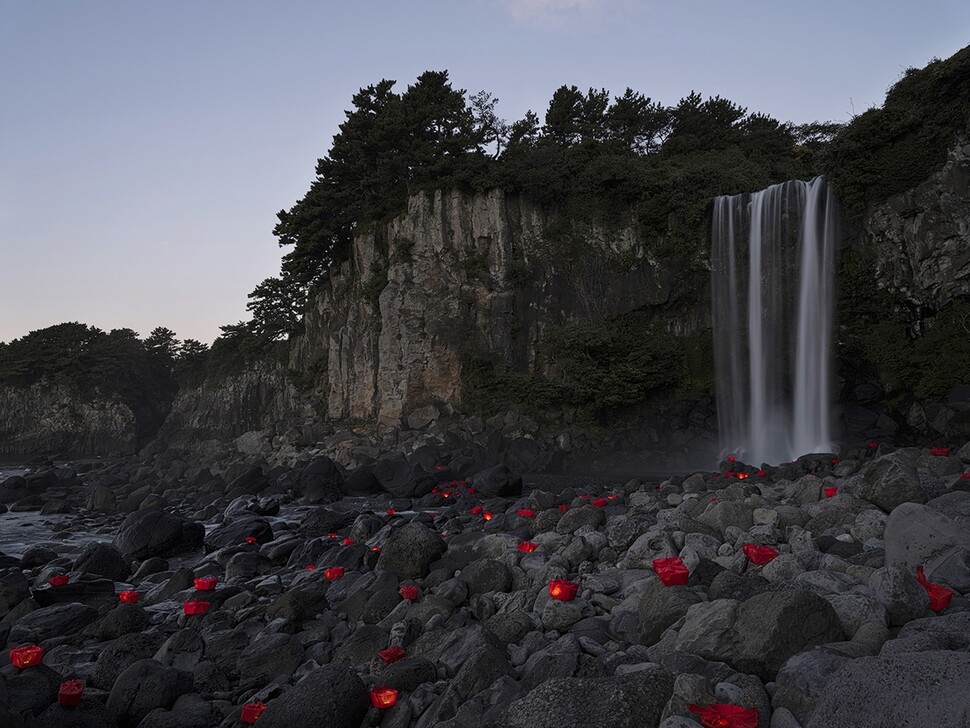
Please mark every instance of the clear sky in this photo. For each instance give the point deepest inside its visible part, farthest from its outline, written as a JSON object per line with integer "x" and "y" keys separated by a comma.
{"x": 145, "y": 147}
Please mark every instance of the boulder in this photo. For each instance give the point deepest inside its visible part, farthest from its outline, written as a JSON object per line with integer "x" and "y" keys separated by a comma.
{"x": 897, "y": 590}
{"x": 57, "y": 620}
{"x": 153, "y": 532}
{"x": 362, "y": 482}
{"x": 891, "y": 480}
{"x": 14, "y": 588}
{"x": 331, "y": 696}
{"x": 410, "y": 551}
{"x": 322, "y": 481}
{"x": 917, "y": 534}
{"x": 234, "y": 532}
{"x": 497, "y": 481}
{"x": 143, "y": 687}
{"x": 268, "y": 657}
{"x": 104, "y": 560}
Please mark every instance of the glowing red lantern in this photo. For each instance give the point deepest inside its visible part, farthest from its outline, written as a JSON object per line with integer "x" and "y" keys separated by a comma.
{"x": 527, "y": 547}
{"x": 731, "y": 459}
{"x": 525, "y": 513}
{"x": 612, "y": 496}
{"x": 439, "y": 468}
{"x": 471, "y": 491}
{"x": 476, "y": 510}
{"x": 410, "y": 592}
{"x": 762, "y": 473}
{"x": 195, "y": 608}
{"x": 69, "y": 693}
{"x": 563, "y": 590}
{"x": 965, "y": 476}
{"x": 585, "y": 496}
{"x": 940, "y": 452}
{"x": 383, "y": 698}
{"x": 311, "y": 567}
{"x": 391, "y": 511}
{"x": 672, "y": 571}
{"x": 59, "y": 580}
{"x": 487, "y": 515}
{"x": 599, "y": 502}
{"x": 563, "y": 507}
{"x": 742, "y": 475}
{"x": 376, "y": 549}
{"x": 252, "y": 711}
{"x": 830, "y": 491}
{"x": 940, "y": 596}
{"x": 392, "y": 654}
{"x": 129, "y": 597}
{"x": 725, "y": 715}
{"x": 333, "y": 573}
{"x": 348, "y": 541}
{"x": 332, "y": 534}
{"x": 207, "y": 583}
{"x": 250, "y": 539}
{"x": 759, "y": 555}
{"x": 446, "y": 494}
{"x": 26, "y": 656}
{"x": 872, "y": 445}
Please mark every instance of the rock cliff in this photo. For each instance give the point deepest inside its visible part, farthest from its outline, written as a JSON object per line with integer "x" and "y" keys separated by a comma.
{"x": 51, "y": 418}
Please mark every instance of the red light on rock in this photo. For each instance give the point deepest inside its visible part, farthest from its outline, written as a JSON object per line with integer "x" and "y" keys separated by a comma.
{"x": 830, "y": 491}
{"x": 834, "y": 461}
{"x": 348, "y": 541}
{"x": 940, "y": 452}
{"x": 940, "y": 596}
{"x": 563, "y": 507}
{"x": 446, "y": 494}
{"x": 333, "y": 573}
{"x": 410, "y": 592}
{"x": 129, "y": 597}
{"x": 762, "y": 473}
{"x": 525, "y": 513}
{"x": 965, "y": 476}
{"x": 759, "y": 555}
{"x": 725, "y": 715}
{"x": 612, "y": 496}
{"x": 439, "y": 468}
{"x": 731, "y": 459}
{"x": 471, "y": 491}
{"x": 59, "y": 580}
{"x": 332, "y": 534}
{"x": 476, "y": 510}
{"x": 26, "y": 656}
{"x": 207, "y": 583}
{"x": 742, "y": 475}
{"x": 599, "y": 502}
{"x": 390, "y": 511}
{"x": 487, "y": 515}
{"x": 250, "y": 539}
{"x": 527, "y": 547}
{"x": 195, "y": 608}
{"x": 392, "y": 654}
{"x": 251, "y": 711}
{"x": 730, "y": 474}
{"x": 375, "y": 549}
{"x": 585, "y": 496}
{"x": 69, "y": 693}
{"x": 872, "y": 445}
{"x": 672, "y": 571}
{"x": 383, "y": 698}
{"x": 311, "y": 567}
{"x": 563, "y": 590}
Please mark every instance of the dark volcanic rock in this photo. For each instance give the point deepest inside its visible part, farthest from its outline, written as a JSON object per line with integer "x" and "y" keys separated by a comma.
{"x": 410, "y": 551}
{"x": 234, "y": 532}
{"x": 144, "y": 686}
{"x": 156, "y": 533}
{"x": 497, "y": 480}
{"x": 104, "y": 560}
{"x": 362, "y": 481}
{"x": 14, "y": 588}
{"x": 322, "y": 481}
{"x": 56, "y": 620}
{"x": 331, "y": 696}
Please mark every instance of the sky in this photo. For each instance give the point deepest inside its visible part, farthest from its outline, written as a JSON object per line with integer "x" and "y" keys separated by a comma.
{"x": 146, "y": 147}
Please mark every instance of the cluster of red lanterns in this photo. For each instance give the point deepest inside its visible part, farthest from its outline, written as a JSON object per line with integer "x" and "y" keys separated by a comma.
{"x": 563, "y": 589}
{"x": 759, "y": 555}
{"x": 671, "y": 571}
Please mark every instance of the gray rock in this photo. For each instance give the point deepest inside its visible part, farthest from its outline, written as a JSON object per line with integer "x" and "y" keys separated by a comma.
{"x": 661, "y": 606}
{"x": 944, "y": 632}
{"x": 332, "y": 696}
{"x": 144, "y": 686}
{"x": 497, "y": 481}
{"x": 152, "y": 532}
{"x": 410, "y": 551}
{"x": 123, "y": 619}
{"x": 891, "y": 480}
{"x": 630, "y": 701}
{"x": 856, "y": 609}
{"x": 104, "y": 560}
{"x": 235, "y": 531}
{"x": 898, "y": 591}
{"x": 56, "y": 620}
{"x": 487, "y": 575}
{"x": 803, "y": 678}
{"x": 920, "y": 689}
{"x": 100, "y": 498}
{"x": 559, "y": 615}
{"x": 268, "y": 657}
{"x": 120, "y": 654}
{"x": 14, "y": 588}
{"x": 576, "y": 518}
{"x": 918, "y": 534}
{"x": 184, "y": 650}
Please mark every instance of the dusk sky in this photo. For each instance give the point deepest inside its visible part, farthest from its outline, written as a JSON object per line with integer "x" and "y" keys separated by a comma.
{"x": 145, "y": 148}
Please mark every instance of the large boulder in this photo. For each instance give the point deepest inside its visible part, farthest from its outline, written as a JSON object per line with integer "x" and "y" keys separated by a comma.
{"x": 802, "y": 680}
{"x": 915, "y": 689}
{"x": 14, "y": 588}
{"x": 144, "y": 686}
{"x": 331, "y": 696}
{"x": 917, "y": 534}
{"x": 234, "y": 532}
{"x": 661, "y": 606}
{"x": 362, "y": 481}
{"x": 104, "y": 560}
{"x": 630, "y": 701}
{"x": 402, "y": 479}
{"x": 896, "y": 588}
{"x": 268, "y": 657}
{"x": 322, "y": 481}
{"x": 497, "y": 481}
{"x": 410, "y": 551}
{"x": 152, "y": 532}
{"x": 57, "y": 620}
{"x": 892, "y": 479}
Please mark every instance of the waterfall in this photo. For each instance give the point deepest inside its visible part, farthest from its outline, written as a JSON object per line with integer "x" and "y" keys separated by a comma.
{"x": 773, "y": 258}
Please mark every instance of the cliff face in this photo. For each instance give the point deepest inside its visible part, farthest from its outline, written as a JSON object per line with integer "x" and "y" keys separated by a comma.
{"x": 50, "y": 418}
{"x": 920, "y": 239}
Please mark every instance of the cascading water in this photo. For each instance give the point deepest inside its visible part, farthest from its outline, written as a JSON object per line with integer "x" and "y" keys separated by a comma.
{"x": 773, "y": 259}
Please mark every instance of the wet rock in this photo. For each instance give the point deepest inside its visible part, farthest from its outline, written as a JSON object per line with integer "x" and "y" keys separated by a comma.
{"x": 660, "y": 607}
{"x": 53, "y": 621}
{"x": 802, "y": 680}
{"x": 234, "y": 532}
{"x": 156, "y": 533}
{"x": 14, "y": 589}
{"x": 332, "y": 696}
{"x": 120, "y": 654}
{"x": 144, "y": 686}
{"x": 123, "y": 619}
{"x": 104, "y": 560}
{"x": 268, "y": 657}
{"x": 410, "y": 551}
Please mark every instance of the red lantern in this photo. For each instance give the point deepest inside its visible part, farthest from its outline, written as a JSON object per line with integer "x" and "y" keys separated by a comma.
{"x": 725, "y": 715}
{"x": 207, "y": 583}
{"x": 872, "y": 445}
{"x": 392, "y": 654}
{"x": 759, "y": 555}
{"x": 940, "y": 452}
{"x": 332, "y": 534}
{"x": 731, "y": 459}
{"x": 585, "y": 496}
{"x": 383, "y": 698}
{"x": 250, "y": 539}
{"x": 599, "y": 502}
{"x": 476, "y": 510}
{"x": 527, "y": 547}
{"x": 311, "y": 567}
{"x": 375, "y": 549}
{"x": 410, "y": 592}
{"x": 965, "y": 476}
{"x": 195, "y": 608}
{"x": 59, "y": 580}
{"x": 439, "y": 468}
{"x": 26, "y": 656}
{"x": 563, "y": 590}
{"x": 471, "y": 491}
{"x": 69, "y": 694}
{"x": 129, "y": 597}
{"x": 834, "y": 461}
{"x": 940, "y": 596}
{"x": 487, "y": 515}
{"x": 672, "y": 571}
{"x": 742, "y": 475}
{"x": 762, "y": 473}
{"x": 252, "y": 711}
{"x": 348, "y": 541}
{"x": 391, "y": 511}
{"x": 525, "y": 513}
{"x": 563, "y": 507}
{"x": 612, "y": 496}
{"x": 333, "y": 573}
{"x": 831, "y": 491}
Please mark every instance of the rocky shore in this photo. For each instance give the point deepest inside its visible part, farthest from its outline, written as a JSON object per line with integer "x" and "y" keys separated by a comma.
{"x": 229, "y": 589}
